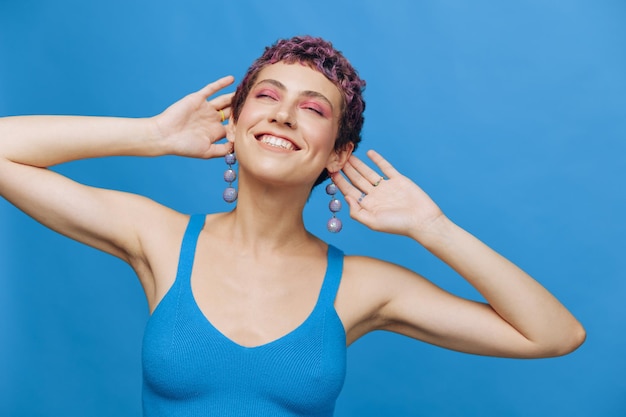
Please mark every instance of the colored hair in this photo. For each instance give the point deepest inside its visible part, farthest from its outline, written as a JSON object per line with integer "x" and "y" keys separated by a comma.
{"x": 320, "y": 55}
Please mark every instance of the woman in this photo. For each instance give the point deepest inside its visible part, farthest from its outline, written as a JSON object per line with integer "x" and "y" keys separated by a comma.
{"x": 251, "y": 314}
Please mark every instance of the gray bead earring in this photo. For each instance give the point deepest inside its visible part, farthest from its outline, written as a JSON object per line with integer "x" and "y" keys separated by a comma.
{"x": 334, "y": 224}
{"x": 230, "y": 193}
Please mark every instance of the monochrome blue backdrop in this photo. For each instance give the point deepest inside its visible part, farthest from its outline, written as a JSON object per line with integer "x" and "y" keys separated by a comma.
{"x": 512, "y": 115}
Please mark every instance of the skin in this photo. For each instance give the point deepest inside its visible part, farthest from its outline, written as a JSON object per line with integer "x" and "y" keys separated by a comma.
{"x": 258, "y": 271}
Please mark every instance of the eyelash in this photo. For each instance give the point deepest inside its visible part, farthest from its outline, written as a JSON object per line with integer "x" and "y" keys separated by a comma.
{"x": 315, "y": 110}
{"x": 261, "y": 95}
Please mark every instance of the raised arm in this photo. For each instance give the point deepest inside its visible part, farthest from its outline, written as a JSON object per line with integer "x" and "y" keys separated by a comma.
{"x": 521, "y": 318}
{"x": 105, "y": 219}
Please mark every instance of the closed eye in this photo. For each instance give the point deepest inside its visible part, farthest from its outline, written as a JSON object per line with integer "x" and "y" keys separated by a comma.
{"x": 264, "y": 95}
{"x": 267, "y": 93}
{"x": 315, "y": 110}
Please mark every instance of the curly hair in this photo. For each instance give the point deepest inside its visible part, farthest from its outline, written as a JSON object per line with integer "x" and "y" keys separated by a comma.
{"x": 320, "y": 55}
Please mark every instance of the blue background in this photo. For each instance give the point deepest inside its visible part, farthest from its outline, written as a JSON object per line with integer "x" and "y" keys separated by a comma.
{"x": 512, "y": 115}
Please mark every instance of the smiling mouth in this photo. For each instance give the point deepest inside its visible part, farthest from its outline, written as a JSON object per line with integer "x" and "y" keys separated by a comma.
{"x": 277, "y": 142}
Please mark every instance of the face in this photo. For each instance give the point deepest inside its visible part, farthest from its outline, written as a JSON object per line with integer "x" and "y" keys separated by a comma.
{"x": 288, "y": 124}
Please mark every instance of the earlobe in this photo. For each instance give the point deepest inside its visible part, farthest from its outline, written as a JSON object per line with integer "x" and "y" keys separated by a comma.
{"x": 340, "y": 157}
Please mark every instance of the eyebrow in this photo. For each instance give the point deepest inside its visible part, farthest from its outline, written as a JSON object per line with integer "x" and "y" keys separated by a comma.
{"x": 306, "y": 93}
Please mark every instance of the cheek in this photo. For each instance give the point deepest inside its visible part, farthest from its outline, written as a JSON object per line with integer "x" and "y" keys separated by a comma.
{"x": 250, "y": 109}
{"x": 328, "y": 137}
{"x": 321, "y": 138}
{"x": 247, "y": 117}
{"x": 322, "y": 132}
{"x": 244, "y": 114}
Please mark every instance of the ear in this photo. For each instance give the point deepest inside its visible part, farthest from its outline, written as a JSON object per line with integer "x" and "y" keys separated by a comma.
{"x": 338, "y": 158}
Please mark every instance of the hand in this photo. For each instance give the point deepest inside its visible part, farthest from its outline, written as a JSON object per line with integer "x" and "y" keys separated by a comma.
{"x": 393, "y": 205}
{"x": 193, "y": 125}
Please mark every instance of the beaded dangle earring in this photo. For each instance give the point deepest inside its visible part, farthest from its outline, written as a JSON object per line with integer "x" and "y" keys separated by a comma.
{"x": 230, "y": 193}
{"x": 334, "y": 224}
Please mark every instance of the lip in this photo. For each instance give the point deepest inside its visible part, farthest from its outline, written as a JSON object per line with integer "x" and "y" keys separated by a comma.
{"x": 259, "y": 136}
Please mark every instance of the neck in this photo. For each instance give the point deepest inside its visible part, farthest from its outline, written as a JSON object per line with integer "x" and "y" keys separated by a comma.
{"x": 269, "y": 215}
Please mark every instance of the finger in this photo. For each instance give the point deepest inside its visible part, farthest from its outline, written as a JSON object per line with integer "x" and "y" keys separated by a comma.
{"x": 226, "y": 112}
{"x": 373, "y": 178}
{"x": 223, "y": 101}
{"x": 217, "y": 85}
{"x": 383, "y": 164}
{"x": 356, "y": 177}
{"x": 223, "y": 114}
{"x": 351, "y": 193}
{"x": 217, "y": 133}
{"x": 346, "y": 188}
{"x": 357, "y": 212}
{"x": 221, "y": 149}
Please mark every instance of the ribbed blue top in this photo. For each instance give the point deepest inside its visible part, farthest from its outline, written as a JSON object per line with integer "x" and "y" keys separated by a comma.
{"x": 191, "y": 369}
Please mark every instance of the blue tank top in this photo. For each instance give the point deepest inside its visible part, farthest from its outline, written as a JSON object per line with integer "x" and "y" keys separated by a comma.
{"x": 190, "y": 369}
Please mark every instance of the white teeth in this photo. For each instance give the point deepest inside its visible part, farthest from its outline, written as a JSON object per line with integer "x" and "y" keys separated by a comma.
{"x": 277, "y": 142}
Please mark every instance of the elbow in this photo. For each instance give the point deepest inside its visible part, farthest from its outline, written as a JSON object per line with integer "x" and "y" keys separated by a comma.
{"x": 568, "y": 342}
{"x": 577, "y": 338}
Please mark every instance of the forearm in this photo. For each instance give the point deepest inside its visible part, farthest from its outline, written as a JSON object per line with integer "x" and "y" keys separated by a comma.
{"x": 50, "y": 140}
{"x": 512, "y": 293}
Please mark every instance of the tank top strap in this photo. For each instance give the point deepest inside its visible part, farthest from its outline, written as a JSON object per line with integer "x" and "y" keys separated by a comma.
{"x": 334, "y": 270}
{"x": 188, "y": 247}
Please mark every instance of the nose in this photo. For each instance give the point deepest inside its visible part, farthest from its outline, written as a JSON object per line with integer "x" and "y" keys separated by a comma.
{"x": 285, "y": 117}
